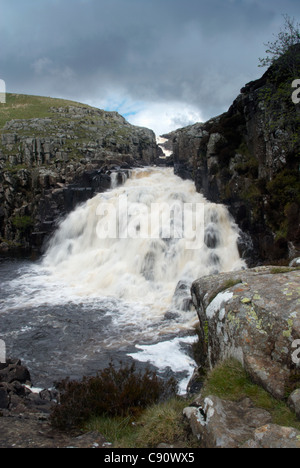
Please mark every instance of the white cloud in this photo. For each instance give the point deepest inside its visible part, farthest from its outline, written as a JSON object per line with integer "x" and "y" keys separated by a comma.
{"x": 163, "y": 117}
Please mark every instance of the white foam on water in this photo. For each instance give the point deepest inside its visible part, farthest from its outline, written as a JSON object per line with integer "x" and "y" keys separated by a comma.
{"x": 169, "y": 354}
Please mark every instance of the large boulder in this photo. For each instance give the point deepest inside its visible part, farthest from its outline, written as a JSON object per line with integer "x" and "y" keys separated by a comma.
{"x": 219, "y": 423}
{"x": 253, "y": 316}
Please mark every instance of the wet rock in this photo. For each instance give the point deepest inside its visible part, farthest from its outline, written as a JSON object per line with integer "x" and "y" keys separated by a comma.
{"x": 295, "y": 262}
{"x": 15, "y": 397}
{"x": 196, "y": 382}
{"x": 14, "y": 372}
{"x": 4, "y": 399}
{"x": 182, "y": 296}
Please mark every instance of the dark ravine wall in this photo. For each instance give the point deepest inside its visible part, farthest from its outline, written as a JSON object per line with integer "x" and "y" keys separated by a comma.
{"x": 50, "y": 163}
{"x": 248, "y": 159}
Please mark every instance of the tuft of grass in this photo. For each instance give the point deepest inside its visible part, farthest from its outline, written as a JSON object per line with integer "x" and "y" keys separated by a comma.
{"x": 281, "y": 270}
{"x": 114, "y": 429}
{"x": 163, "y": 423}
{"x": 230, "y": 381}
{"x": 159, "y": 423}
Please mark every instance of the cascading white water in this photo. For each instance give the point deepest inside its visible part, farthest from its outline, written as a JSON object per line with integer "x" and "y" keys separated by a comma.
{"x": 115, "y": 281}
{"x": 139, "y": 268}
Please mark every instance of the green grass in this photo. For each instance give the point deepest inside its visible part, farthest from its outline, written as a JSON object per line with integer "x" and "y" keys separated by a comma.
{"x": 160, "y": 423}
{"x": 230, "y": 381}
{"x": 20, "y": 106}
{"x": 281, "y": 270}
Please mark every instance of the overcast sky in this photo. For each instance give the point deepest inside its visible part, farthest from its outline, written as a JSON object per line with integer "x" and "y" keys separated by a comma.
{"x": 162, "y": 64}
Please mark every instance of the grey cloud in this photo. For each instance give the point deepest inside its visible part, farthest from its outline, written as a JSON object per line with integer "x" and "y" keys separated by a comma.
{"x": 200, "y": 52}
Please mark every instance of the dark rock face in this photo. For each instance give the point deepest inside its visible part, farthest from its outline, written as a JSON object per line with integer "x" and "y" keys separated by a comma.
{"x": 15, "y": 397}
{"x": 247, "y": 158}
{"x": 49, "y": 165}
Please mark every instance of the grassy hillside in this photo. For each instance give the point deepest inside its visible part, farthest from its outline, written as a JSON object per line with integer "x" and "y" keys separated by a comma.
{"x": 47, "y": 144}
{"x": 21, "y": 106}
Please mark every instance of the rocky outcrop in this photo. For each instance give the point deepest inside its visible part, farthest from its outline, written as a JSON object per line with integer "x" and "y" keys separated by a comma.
{"x": 247, "y": 158}
{"x": 25, "y": 414}
{"x": 223, "y": 424}
{"x": 50, "y": 164}
{"x": 253, "y": 316}
{"x": 15, "y": 394}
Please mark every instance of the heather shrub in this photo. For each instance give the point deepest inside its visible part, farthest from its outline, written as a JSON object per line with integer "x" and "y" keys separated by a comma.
{"x": 112, "y": 392}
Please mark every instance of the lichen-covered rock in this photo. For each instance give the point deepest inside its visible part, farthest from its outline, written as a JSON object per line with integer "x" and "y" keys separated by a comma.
{"x": 254, "y": 316}
{"x": 274, "y": 436}
{"x": 219, "y": 423}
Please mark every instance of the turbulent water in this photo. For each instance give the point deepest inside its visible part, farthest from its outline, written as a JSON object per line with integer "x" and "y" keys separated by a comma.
{"x": 115, "y": 280}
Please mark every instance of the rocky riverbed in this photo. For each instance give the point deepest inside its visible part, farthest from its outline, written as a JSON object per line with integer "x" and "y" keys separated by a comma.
{"x": 252, "y": 316}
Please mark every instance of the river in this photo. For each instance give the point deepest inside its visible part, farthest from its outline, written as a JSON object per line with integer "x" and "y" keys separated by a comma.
{"x": 114, "y": 282}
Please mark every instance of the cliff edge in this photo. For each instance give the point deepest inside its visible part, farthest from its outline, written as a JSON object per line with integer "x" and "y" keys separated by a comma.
{"x": 248, "y": 159}
{"x": 55, "y": 154}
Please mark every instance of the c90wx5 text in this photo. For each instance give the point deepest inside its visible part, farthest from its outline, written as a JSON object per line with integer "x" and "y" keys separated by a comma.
{"x": 151, "y": 457}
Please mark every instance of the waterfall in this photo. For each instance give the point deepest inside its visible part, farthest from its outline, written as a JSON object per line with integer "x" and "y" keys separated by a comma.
{"x": 115, "y": 280}
{"x": 124, "y": 244}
